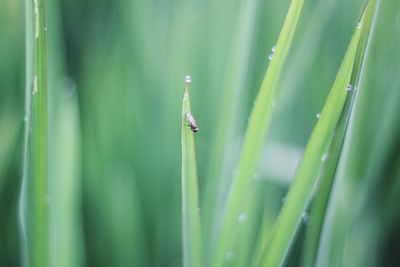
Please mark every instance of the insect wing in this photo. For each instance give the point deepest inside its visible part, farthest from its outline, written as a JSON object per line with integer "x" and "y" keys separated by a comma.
{"x": 190, "y": 120}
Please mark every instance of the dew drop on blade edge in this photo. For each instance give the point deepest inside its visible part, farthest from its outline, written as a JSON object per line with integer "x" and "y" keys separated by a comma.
{"x": 242, "y": 218}
{"x": 305, "y": 217}
{"x": 229, "y": 256}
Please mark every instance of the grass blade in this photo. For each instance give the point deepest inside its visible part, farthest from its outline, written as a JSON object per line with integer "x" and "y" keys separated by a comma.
{"x": 317, "y": 213}
{"x": 256, "y": 130}
{"x": 307, "y": 173}
{"x": 320, "y": 202}
{"x": 34, "y": 195}
{"x": 66, "y": 240}
{"x": 228, "y": 118}
{"x": 367, "y": 172}
{"x": 64, "y": 142}
{"x": 192, "y": 248}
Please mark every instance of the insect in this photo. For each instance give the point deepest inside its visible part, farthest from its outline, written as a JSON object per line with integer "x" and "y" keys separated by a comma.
{"x": 191, "y": 122}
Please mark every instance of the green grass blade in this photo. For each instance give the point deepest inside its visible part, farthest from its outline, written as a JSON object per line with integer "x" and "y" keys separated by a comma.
{"x": 65, "y": 232}
{"x": 245, "y": 235}
{"x": 255, "y": 134}
{"x": 228, "y": 117}
{"x": 273, "y": 196}
{"x": 302, "y": 187}
{"x": 367, "y": 172}
{"x": 320, "y": 202}
{"x": 64, "y": 141}
{"x": 34, "y": 196}
{"x": 192, "y": 244}
{"x": 317, "y": 213}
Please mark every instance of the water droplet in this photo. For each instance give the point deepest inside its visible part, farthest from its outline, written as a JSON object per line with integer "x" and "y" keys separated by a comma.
{"x": 229, "y": 256}
{"x": 273, "y": 103}
{"x": 35, "y": 85}
{"x": 318, "y": 115}
{"x": 188, "y": 79}
{"x": 256, "y": 177}
{"x": 349, "y": 88}
{"x": 324, "y": 157}
{"x": 36, "y": 18}
{"x": 25, "y": 118}
{"x": 45, "y": 29}
{"x": 273, "y": 49}
{"x": 242, "y": 218}
{"x": 305, "y": 217}
{"x": 359, "y": 25}
{"x": 283, "y": 200}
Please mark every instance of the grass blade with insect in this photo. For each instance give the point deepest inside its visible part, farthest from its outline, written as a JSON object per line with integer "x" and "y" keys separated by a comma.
{"x": 191, "y": 228}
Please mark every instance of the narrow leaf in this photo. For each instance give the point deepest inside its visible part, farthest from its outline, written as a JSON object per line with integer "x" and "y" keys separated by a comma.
{"x": 320, "y": 202}
{"x": 34, "y": 196}
{"x": 306, "y": 177}
{"x": 192, "y": 247}
{"x": 255, "y": 134}
{"x": 367, "y": 171}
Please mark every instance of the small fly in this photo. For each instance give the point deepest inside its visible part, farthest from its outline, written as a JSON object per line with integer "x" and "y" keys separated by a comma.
{"x": 191, "y": 122}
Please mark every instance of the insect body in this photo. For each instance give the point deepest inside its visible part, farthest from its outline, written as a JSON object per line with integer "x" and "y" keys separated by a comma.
{"x": 191, "y": 122}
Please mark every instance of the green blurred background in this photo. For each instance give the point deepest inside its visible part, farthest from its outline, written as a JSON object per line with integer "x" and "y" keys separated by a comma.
{"x": 116, "y": 77}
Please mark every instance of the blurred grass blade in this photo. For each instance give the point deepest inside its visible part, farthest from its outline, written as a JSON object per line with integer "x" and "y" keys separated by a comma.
{"x": 231, "y": 110}
{"x": 34, "y": 195}
{"x": 65, "y": 230}
{"x": 302, "y": 187}
{"x": 192, "y": 248}
{"x": 255, "y": 134}
{"x": 317, "y": 213}
{"x": 362, "y": 234}
{"x": 245, "y": 234}
{"x": 320, "y": 202}
{"x": 64, "y": 141}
